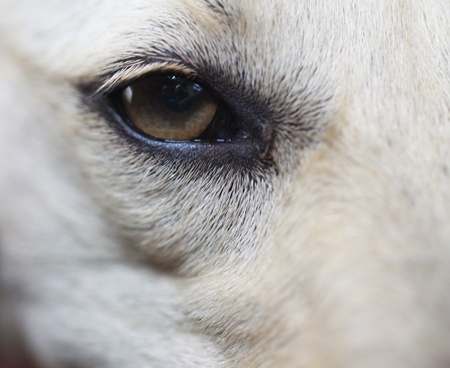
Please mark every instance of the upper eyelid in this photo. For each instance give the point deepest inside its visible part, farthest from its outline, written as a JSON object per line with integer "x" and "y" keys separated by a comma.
{"x": 126, "y": 74}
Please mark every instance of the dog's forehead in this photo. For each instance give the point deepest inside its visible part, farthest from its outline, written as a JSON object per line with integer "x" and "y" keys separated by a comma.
{"x": 264, "y": 37}
{"x": 273, "y": 40}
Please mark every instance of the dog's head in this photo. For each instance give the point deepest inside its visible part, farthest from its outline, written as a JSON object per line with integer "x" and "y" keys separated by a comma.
{"x": 228, "y": 183}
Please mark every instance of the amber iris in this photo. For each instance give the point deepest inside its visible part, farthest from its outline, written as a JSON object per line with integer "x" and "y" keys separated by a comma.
{"x": 169, "y": 107}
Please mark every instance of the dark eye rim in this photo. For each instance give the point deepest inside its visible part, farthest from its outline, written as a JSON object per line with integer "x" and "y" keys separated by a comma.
{"x": 248, "y": 151}
{"x": 239, "y": 155}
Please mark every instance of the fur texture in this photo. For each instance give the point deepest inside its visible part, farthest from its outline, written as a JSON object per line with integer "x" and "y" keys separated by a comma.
{"x": 330, "y": 247}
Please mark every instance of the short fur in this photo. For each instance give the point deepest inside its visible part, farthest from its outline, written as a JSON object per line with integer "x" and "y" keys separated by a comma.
{"x": 325, "y": 245}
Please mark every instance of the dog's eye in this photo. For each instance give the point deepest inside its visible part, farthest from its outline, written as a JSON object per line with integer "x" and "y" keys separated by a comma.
{"x": 169, "y": 107}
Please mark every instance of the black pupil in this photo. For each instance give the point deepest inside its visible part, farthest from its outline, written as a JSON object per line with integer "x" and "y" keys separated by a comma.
{"x": 179, "y": 94}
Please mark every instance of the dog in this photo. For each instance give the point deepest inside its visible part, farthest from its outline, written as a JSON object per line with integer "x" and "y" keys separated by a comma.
{"x": 223, "y": 183}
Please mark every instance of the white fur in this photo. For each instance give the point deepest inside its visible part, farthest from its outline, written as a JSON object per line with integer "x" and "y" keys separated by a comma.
{"x": 339, "y": 257}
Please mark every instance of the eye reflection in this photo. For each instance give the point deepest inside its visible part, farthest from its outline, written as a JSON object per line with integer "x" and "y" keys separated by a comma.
{"x": 180, "y": 95}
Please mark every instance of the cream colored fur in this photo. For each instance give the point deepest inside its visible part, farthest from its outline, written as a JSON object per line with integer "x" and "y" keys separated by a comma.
{"x": 337, "y": 255}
